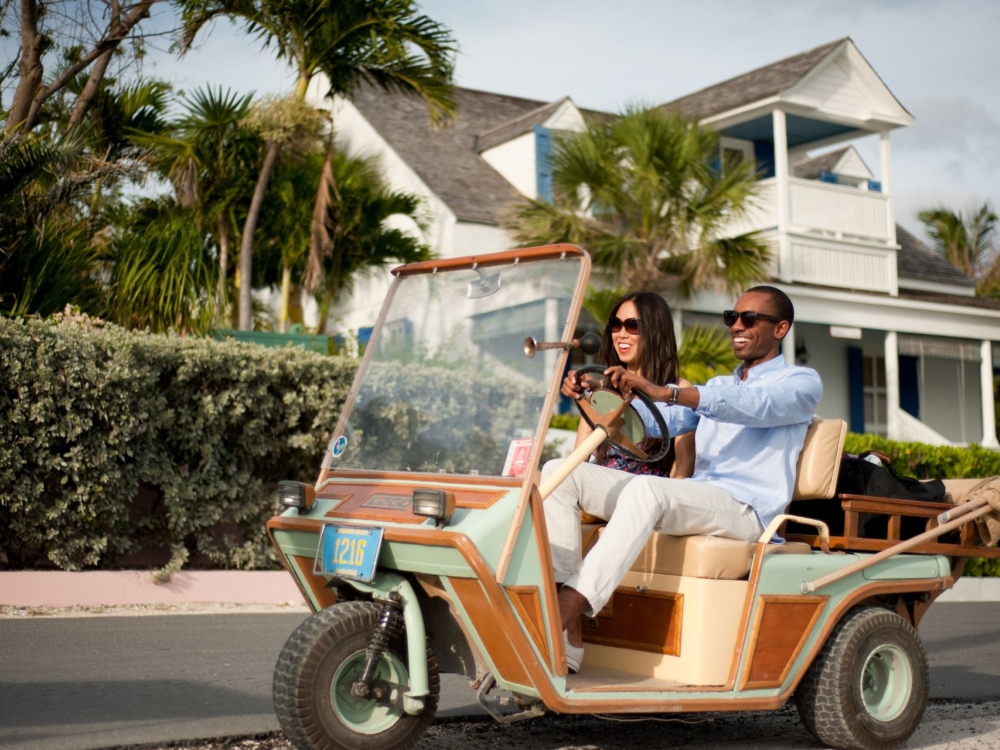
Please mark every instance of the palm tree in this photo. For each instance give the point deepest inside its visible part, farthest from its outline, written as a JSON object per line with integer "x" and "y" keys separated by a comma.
{"x": 385, "y": 42}
{"x": 966, "y": 240}
{"x": 210, "y": 157}
{"x": 644, "y": 194}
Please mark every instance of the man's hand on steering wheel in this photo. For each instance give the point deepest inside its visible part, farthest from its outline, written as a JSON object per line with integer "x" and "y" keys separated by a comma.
{"x": 625, "y": 381}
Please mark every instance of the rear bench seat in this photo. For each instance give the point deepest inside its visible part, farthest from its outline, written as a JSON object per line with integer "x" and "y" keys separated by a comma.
{"x": 676, "y": 614}
{"x": 729, "y": 559}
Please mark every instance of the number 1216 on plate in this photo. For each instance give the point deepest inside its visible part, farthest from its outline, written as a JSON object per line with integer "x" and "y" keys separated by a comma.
{"x": 349, "y": 551}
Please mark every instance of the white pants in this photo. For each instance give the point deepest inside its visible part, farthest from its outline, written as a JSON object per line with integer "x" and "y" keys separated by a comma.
{"x": 634, "y": 506}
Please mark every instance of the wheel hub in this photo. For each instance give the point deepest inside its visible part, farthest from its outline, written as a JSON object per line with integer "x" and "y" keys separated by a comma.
{"x": 886, "y": 682}
{"x": 373, "y": 713}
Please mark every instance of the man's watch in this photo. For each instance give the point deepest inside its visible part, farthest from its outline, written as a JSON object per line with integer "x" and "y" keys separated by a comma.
{"x": 675, "y": 391}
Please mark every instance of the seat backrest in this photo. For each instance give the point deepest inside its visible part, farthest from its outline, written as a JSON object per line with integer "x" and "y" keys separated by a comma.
{"x": 819, "y": 462}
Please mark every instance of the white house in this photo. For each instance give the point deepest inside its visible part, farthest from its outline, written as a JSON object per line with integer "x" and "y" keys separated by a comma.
{"x": 903, "y": 345}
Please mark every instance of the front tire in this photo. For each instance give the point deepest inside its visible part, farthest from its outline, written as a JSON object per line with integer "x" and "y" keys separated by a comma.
{"x": 867, "y": 689}
{"x": 312, "y": 685}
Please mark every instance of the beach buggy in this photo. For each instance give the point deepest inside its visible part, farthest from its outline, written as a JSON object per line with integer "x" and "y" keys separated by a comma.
{"x": 422, "y": 548}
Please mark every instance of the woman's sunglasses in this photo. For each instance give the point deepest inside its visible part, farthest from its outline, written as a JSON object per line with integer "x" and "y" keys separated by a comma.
{"x": 748, "y": 318}
{"x": 631, "y": 325}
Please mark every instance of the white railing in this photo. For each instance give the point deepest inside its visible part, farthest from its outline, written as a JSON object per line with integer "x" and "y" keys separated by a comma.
{"x": 838, "y": 210}
{"x": 819, "y": 208}
{"x": 909, "y": 429}
{"x": 850, "y": 266}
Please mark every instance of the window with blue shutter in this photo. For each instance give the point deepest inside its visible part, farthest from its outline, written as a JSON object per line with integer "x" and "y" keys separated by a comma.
{"x": 543, "y": 163}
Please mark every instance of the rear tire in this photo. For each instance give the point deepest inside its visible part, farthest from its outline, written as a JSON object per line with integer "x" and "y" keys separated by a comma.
{"x": 312, "y": 685}
{"x": 867, "y": 689}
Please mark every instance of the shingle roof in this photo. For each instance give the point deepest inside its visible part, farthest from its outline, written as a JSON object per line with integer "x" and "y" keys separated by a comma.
{"x": 446, "y": 159}
{"x": 810, "y": 169}
{"x": 917, "y": 261}
{"x": 753, "y": 86}
{"x": 518, "y": 126}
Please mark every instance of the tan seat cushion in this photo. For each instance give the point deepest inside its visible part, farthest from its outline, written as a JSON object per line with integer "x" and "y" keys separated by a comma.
{"x": 819, "y": 461}
{"x": 696, "y": 556}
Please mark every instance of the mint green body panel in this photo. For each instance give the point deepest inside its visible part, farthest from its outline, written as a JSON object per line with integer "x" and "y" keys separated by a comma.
{"x": 487, "y": 530}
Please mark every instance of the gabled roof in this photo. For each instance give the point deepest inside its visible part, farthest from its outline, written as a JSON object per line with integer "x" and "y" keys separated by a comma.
{"x": 810, "y": 169}
{"x": 758, "y": 84}
{"x": 446, "y": 159}
{"x": 917, "y": 261}
{"x": 518, "y": 126}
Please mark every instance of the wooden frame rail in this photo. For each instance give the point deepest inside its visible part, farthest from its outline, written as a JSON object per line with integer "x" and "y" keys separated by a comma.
{"x": 896, "y": 510}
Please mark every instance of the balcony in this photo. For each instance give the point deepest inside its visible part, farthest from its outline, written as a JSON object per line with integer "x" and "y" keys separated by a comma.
{"x": 836, "y": 235}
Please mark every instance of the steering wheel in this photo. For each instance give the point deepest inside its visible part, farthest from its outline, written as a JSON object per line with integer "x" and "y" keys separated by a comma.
{"x": 633, "y": 431}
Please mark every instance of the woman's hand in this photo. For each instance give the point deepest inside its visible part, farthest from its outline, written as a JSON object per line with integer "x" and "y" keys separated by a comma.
{"x": 573, "y": 387}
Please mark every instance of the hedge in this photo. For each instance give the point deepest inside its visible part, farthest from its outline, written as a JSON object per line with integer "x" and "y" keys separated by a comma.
{"x": 96, "y": 417}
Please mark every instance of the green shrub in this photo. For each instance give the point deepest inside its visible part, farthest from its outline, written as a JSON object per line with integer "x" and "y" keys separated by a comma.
{"x": 94, "y": 415}
{"x": 565, "y": 422}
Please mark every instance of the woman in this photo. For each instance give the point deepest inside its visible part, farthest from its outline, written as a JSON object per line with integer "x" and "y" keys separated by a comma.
{"x": 639, "y": 336}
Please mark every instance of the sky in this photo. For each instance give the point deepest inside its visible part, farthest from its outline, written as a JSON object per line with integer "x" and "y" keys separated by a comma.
{"x": 941, "y": 58}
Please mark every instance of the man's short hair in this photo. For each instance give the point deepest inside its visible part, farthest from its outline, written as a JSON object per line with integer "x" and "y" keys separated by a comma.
{"x": 781, "y": 306}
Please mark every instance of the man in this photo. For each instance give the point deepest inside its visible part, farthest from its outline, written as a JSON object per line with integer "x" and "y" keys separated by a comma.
{"x": 749, "y": 430}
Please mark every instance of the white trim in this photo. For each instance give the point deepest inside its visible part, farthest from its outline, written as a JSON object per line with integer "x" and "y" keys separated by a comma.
{"x": 918, "y": 285}
{"x": 745, "y": 147}
{"x": 892, "y": 385}
{"x": 833, "y": 140}
{"x": 989, "y": 437}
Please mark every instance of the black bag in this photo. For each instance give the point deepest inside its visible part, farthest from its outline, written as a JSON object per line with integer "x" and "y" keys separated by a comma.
{"x": 861, "y": 477}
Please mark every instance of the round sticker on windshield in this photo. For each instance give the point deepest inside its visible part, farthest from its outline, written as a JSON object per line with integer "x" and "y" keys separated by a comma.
{"x": 339, "y": 446}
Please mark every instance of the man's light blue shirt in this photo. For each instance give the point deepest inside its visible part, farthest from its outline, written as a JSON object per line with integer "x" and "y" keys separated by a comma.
{"x": 749, "y": 433}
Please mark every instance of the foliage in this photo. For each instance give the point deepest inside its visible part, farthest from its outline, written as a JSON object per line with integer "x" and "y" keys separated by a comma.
{"x": 644, "y": 194}
{"x": 161, "y": 276}
{"x": 407, "y": 418}
{"x": 599, "y": 302}
{"x": 967, "y": 240}
{"x": 95, "y": 416}
{"x": 705, "y": 352}
{"x": 565, "y": 422}
{"x": 361, "y": 236}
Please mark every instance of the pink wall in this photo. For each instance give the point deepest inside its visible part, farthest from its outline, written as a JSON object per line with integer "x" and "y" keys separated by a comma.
{"x": 110, "y": 588}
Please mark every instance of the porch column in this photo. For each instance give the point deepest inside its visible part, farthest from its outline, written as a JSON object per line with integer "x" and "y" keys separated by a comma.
{"x": 788, "y": 346}
{"x": 783, "y": 198}
{"x": 885, "y": 152}
{"x": 892, "y": 386}
{"x": 986, "y": 386}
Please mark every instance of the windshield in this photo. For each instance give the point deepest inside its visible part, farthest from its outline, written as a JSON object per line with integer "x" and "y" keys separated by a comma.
{"x": 448, "y": 387}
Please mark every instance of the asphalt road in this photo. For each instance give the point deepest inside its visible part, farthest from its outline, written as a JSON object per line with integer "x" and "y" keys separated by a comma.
{"x": 78, "y": 683}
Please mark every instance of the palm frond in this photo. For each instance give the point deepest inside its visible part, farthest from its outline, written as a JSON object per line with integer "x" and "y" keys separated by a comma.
{"x": 705, "y": 352}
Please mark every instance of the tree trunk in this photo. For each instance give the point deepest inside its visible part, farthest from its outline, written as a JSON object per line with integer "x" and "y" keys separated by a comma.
{"x": 220, "y": 303}
{"x": 246, "y": 245}
{"x": 89, "y": 92}
{"x": 286, "y": 293}
{"x": 29, "y": 69}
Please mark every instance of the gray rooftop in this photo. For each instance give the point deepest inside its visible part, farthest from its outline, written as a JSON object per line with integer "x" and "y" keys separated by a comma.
{"x": 446, "y": 159}
{"x": 810, "y": 169}
{"x": 516, "y": 127}
{"x": 917, "y": 261}
{"x": 747, "y": 88}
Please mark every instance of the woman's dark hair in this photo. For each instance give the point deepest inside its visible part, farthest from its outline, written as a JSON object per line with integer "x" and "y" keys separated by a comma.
{"x": 657, "y": 353}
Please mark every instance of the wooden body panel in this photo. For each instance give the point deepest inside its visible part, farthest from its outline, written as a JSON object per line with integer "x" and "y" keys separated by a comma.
{"x": 393, "y": 503}
{"x": 781, "y": 626}
{"x": 648, "y": 621}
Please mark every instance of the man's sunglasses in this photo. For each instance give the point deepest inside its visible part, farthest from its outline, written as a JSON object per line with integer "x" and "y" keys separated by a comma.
{"x": 631, "y": 325}
{"x": 748, "y": 318}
